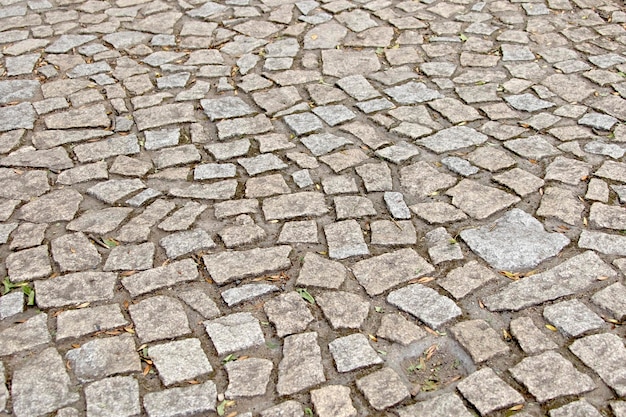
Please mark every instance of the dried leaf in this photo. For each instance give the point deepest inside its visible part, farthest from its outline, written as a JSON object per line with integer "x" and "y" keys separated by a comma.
{"x": 83, "y": 305}
{"x": 75, "y": 345}
{"x": 373, "y": 338}
{"x": 313, "y": 36}
{"x": 128, "y": 273}
{"x": 146, "y": 370}
{"x": 129, "y": 329}
{"x": 551, "y": 327}
{"x": 424, "y": 280}
{"x": 480, "y": 303}
{"x": 431, "y": 331}
{"x": 506, "y": 335}
{"x": 602, "y": 278}
{"x": 516, "y": 407}
{"x": 431, "y": 351}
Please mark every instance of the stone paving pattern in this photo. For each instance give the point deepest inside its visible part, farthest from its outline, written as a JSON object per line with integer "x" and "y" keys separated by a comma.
{"x": 312, "y": 207}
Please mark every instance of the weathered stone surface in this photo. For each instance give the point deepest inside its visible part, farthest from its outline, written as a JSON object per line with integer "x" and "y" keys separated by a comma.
{"x": 580, "y": 408}
{"x": 179, "y": 361}
{"x": 234, "y": 332}
{"x": 20, "y": 116}
{"x": 59, "y": 205}
{"x": 549, "y": 375}
{"x": 75, "y": 288}
{"x": 11, "y": 304}
{"x": 25, "y": 336}
{"x": 100, "y": 358}
{"x": 44, "y": 377}
{"x": 116, "y": 396}
{"x": 479, "y": 339}
{"x": 301, "y": 365}
{"x": 516, "y": 241}
{"x": 317, "y": 271}
{"x": 570, "y": 277}
{"x": 172, "y": 321}
{"x": 228, "y": 266}
{"x": 173, "y": 402}
{"x": 182, "y": 243}
{"x": 353, "y": 352}
{"x": 480, "y": 201}
{"x": 612, "y": 299}
{"x": 529, "y": 337}
{"x": 287, "y": 408}
{"x": 487, "y": 392}
{"x": 333, "y": 400}
{"x": 77, "y": 323}
{"x": 248, "y": 378}
{"x": 343, "y": 309}
{"x": 605, "y": 216}
{"x": 294, "y": 205}
{"x": 383, "y": 388}
{"x": 605, "y": 354}
{"x": 444, "y": 404}
{"x": 572, "y": 317}
{"x": 289, "y": 313}
{"x": 421, "y": 179}
{"x": 99, "y": 221}
{"x": 339, "y": 63}
{"x": 162, "y": 276}
{"x": 424, "y": 303}
{"x": 29, "y": 264}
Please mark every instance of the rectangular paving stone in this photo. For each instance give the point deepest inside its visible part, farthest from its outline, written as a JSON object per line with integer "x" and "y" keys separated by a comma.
{"x": 96, "y": 151}
{"x": 488, "y": 392}
{"x": 570, "y": 277}
{"x": 612, "y": 299}
{"x": 380, "y": 273}
{"x": 163, "y": 276}
{"x": 75, "y": 288}
{"x": 529, "y": 337}
{"x": 227, "y": 129}
{"x": 179, "y": 360}
{"x": 115, "y": 355}
{"x": 84, "y": 321}
{"x": 424, "y": 303}
{"x": 479, "y": 339}
{"x": 92, "y": 116}
{"x": 116, "y": 396}
{"x": 221, "y": 190}
{"x": 234, "y": 332}
{"x": 383, "y": 388}
{"x": 294, "y": 205}
{"x": 175, "y": 402}
{"x": 444, "y": 404}
{"x": 20, "y": 116}
{"x": 163, "y": 115}
{"x": 301, "y": 365}
{"x": 606, "y": 355}
{"x": 228, "y": 266}
{"x": 572, "y": 317}
{"x": 25, "y": 336}
{"x": 345, "y": 239}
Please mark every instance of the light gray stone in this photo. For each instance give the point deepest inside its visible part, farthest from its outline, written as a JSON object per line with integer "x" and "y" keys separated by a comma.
{"x": 75, "y": 288}
{"x": 412, "y": 93}
{"x": 11, "y": 304}
{"x": 383, "y": 388}
{"x": 516, "y": 241}
{"x": 99, "y": 221}
{"x": 345, "y": 239}
{"x": 179, "y": 360}
{"x": 130, "y": 257}
{"x": 234, "y": 332}
{"x": 333, "y": 401}
{"x": 237, "y": 295}
{"x": 289, "y": 408}
{"x": 44, "y": 377}
{"x": 248, "y": 377}
{"x": 575, "y": 408}
{"x": 396, "y": 328}
{"x": 488, "y": 392}
{"x": 480, "y": 201}
{"x": 463, "y": 280}
{"x": 605, "y": 354}
{"x": 100, "y": 358}
{"x": 444, "y": 404}
{"x": 183, "y": 243}
{"x": 80, "y": 322}
{"x": 294, "y": 205}
{"x": 529, "y": 337}
{"x": 572, "y": 317}
{"x": 611, "y": 298}
{"x": 304, "y": 231}
{"x": 353, "y": 352}
{"x": 228, "y": 266}
{"x": 421, "y": 179}
{"x": 29, "y": 264}
{"x": 172, "y": 321}
{"x": 533, "y": 147}
{"x": 387, "y": 232}
{"x": 301, "y": 365}
{"x": 317, "y": 271}
{"x": 424, "y": 303}
{"x": 113, "y": 397}
{"x": 174, "y": 402}
{"x": 442, "y": 246}
{"x": 549, "y": 375}
{"x": 479, "y": 339}
{"x": 19, "y": 116}
{"x": 605, "y": 216}
{"x": 289, "y": 313}
{"x": 25, "y": 336}
{"x": 343, "y": 309}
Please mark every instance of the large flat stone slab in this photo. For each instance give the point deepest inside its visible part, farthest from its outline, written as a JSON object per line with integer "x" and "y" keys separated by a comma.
{"x": 514, "y": 242}
{"x": 605, "y": 354}
{"x": 570, "y": 277}
{"x": 480, "y": 201}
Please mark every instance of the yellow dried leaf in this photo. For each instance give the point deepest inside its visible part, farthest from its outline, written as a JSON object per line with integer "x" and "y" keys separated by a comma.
{"x": 146, "y": 370}
{"x": 602, "y": 278}
{"x": 373, "y": 338}
{"x": 431, "y": 331}
{"x": 516, "y": 407}
{"x": 551, "y": 327}
{"x": 83, "y": 305}
{"x": 313, "y": 36}
{"x": 129, "y": 330}
{"x": 75, "y": 345}
{"x": 424, "y": 280}
{"x": 480, "y": 304}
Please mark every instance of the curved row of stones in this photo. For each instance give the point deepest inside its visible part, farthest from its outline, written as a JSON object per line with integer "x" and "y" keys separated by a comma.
{"x": 288, "y": 208}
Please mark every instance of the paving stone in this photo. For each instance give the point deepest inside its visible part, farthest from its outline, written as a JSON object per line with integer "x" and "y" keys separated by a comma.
{"x": 611, "y": 300}
{"x": 195, "y": 399}
{"x": 479, "y": 201}
{"x": 43, "y": 373}
{"x": 122, "y": 145}
{"x": 618, "y": 407}
{"x": 113, "y": 190}
{"x": 398, "y": 153}
{"x": 20, "y": 116}
{"x": 421, "y": 179}
{"x": 376, "y": 177}
{"x": 412, "y": 93}
{"x": 228, "y": 266}
{"x": 28, "y": 235}
{"x": 237, "y": 295}
{"x": 339, "y": 184}
{"x": 234, "y": 332}
{"x": 343, "y": 309}
{"x": 353, "y": 206}
{"x": 386, "y": 232}
{"x": 179, "y": 361}
{"x": 561, "y": 204}
{"x": 172, "y": 318}
{"x": 289, "y": 313}
{"x": 604, "y": 353}
{"x": 383, "y": 388}
{"x": 566, "y": 170}
{"x": 75, "y": 288}
{"x": 225, "y": 108}
{"x": 396, "y": 328}
{"x": 301, "y": 365}
{"x": 29, "y": 264}
{"x": 294, "y": 205}
{"x": 353, "y": 352}
{"x": 443, "y": 404}
{"x": 304, "y": 231}
{"x": 262, "y": 163}
{"x": 25, "y": 336}
{"x": 11, "y": 304}
{"x": 611, "y": 217}
{"x": 488, "y": 392}
{"x": 340, "y": 63}
{"x": 580, "y": 407}
{"x": 289, "y": 408}
{"x": 520, "y": 181}
{"x": 568, "y": 278}
{"x": 480, "y": 340}
{"x": 461, "y": 281}
{"x": 333, "y": 400}
{"x": 4, "y": 392}
{"x": 84, "y": 321}
{"x": 441, "y": 246}
{"x": 183, "y": 217}
{"x": 317, "y": 271}
{"x": 200, "y": 301}
{"x": 159, "y": 277}
{"x": 597, "y": 190}
{"x": 459, "y": 166}
{"x": 345, "y": 239}
{"x": 433, "y": 309}
{"x": 221, "y": 190}
{"x": 248, "y": 378}
{"x": 438, "y": 212}
{"x": 182, "y": 243}
{"x": 130, "y": 257}
{"x": 303, "y": 123}
{"x": 572, "y": 317}
{"x": 529, "y": 337}
{"x": 339, "y": 161}
{"x": 104, "y": 357}
{"x": 116, "y": 396}
{"x": 549, "y": 375}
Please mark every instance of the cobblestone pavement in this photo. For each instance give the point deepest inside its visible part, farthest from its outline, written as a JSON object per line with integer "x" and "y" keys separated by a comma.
{"x": 292, "y": 208}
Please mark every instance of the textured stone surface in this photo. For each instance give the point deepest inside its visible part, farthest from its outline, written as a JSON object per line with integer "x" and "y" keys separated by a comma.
{"x": 301, "y": 366}
{"x": 179, "y": 360}
{"x": 487, "y": 392}
{"x": 479, "y": 339}
{"x": 104, "y": 357}
{"x": 383, "y": 388}
{"x": 425, "y": 304}
{"x": 234, "y": 332}
{"x": 604, "y": 353}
